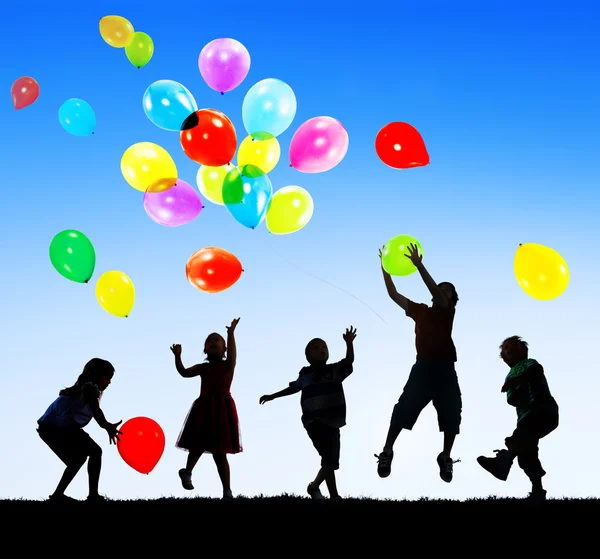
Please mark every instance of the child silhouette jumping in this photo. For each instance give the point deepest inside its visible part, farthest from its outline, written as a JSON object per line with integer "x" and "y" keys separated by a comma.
{"x": 61, "y": 428}
{"x": 433, "y": 377}
{"x": 211, "y": 425}
{"x": 323, "y": 406}
{"x": 527, "y": 390}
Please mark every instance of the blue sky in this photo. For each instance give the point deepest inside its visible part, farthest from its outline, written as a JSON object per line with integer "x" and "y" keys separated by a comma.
{"x": 506, "y": 99}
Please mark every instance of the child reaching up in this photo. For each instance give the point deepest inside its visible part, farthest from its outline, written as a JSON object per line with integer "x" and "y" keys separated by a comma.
{"x": 527, "y": 390}
{"x": 211, "y": 425}
{"x": 323, "y": 406}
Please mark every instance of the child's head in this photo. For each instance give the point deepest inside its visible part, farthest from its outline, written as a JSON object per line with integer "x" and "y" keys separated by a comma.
{"x": 513, "y": 350}
{"x": 214, "y": 347}
{"x": 449, "y": 291}
{"x": 316, "y": 352}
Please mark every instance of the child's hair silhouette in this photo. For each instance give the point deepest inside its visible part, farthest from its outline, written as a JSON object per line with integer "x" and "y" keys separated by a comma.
{"x": 93, "y": 370}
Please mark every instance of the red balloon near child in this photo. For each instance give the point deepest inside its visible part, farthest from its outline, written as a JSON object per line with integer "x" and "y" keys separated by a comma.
{"x": 213, "y": 269}
{"x": 24, "y": 92}
{"x": 400, "y": 145}
{"x": 141, "y": 444}
{"x": 208, "y": 137}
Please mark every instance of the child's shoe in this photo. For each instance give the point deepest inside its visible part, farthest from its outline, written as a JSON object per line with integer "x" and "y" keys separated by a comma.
{"x": 499, "y": 466}
{"x": 314, "y": 492}
{"x": 384, "y": 463}
{"x": 186, "y": 479}
{"x": 227, "y": 496}
{"x": 446, "y": 465}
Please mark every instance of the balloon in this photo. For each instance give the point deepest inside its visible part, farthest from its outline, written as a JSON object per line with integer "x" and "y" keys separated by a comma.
{"x": 77, "y": 117}
{"x": 140, "y": 50}
{"x": 210, "y": 182}
{"x": 247, "y": 198}
{"x": 318, "y": 145}
{"x": 208, "y": 137}
{"x": 224, "y": 64}
{"x": 115, "y": 293}
{"x": 141, "y": 444}
{"x": 393, "y": 256}
{"x": 24, "y": 92}
{"x": 290, "y": 209}
{"x": 400, "y": 146}
{"x": 116, "y": 31}
{"x": 269, "y": 106}
{"x": 146, "y": 165}
{"x": 213, "y": 269}
{"x": 168, "y": 103}
{"x": 541, "y": 271}
{"x": 258, "y": 154}
{"x": 176, "y": 206}
{"x": 73, "y": 255}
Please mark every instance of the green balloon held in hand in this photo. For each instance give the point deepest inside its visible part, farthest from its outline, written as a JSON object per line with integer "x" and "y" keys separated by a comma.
{"x": 73, "y": 255}
{"x": 393, "y": 256}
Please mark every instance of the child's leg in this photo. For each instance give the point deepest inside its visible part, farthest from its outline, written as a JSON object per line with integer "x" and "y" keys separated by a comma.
{"x": 331, "y": 483}
{"x": 94, "y": 452}
{"x": 192, "y": 459}
{"x": 224, "y": 472}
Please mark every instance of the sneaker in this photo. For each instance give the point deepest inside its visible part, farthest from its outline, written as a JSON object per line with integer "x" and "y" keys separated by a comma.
{"x": 336, "y": 498}
{"x": 314, "y": 492}
{"x": 499, "y": 466}
{"x": 446, "y": 465}
{"x": 186, "y": 479}
{"x": 227, "y": 496}
{"x": 61, "y": 499}
{"x": 96, "y": 499}
{"x": 536, "y": 496}
{"x": 384, "y": 463}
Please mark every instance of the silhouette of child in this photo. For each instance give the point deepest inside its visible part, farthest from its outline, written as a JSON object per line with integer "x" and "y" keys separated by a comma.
{"x": 323, "y": 406}
{"x": 211, "y": 425}
{"x": 61, "y": 427}
{"x": 433, "y": 377}
{"x": 527, "y": 390}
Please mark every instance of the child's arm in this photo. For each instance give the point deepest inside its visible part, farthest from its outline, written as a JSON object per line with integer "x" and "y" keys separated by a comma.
{"x": 437, "y": 294}
{"x": 231, "y": 349}
{"x": 293, "y": 388}
{"x": 192, "y": 371}
{"x": 91, "y": 397}
{"x": 399, "y": 299}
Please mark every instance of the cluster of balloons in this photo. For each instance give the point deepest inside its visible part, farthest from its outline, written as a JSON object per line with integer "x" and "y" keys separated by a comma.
{"x": 24, "y": 92}
{"x": 119, "y": 33}
{"x": 73, "y": 256}
{"x": 141, "y": 444}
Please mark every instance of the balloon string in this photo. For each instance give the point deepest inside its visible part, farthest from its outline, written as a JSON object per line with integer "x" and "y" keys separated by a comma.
{"x": 320, "y": 279}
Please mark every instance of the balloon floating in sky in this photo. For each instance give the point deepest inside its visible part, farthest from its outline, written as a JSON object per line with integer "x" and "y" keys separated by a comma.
{"x": 224, "y": 64}
{"x": 141, "y": 49}
{"x": 258, "y": 154}
{"x": 289, "y": 210}
{"x": 394, "y": 255}
{"x": 246, "y": 198}
{"x": 141, "y": 444}
{"x": 399, "y": 145}
{"x": 146, "y": 165}
{"x": 168, "y": 103}
{"x": 540, "y": 271}
{"x": 116, "y": 31}
{"x": 213, "y": 269}
{"x": 24, "y": 92}
{"x": 318, "y": 145}
{"x": 208, "y": 137}
{"x": 210, "y": 182}
{"x": 269, "y": 106}
{"x": 73, "y": 256}
{"x": 115, "y": 293}
{"x": 175, "y": 206}
{"x": 77, "y": 117}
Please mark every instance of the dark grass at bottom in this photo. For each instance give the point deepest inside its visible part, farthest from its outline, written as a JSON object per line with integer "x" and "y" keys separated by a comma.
{"x": 293, "y": 503}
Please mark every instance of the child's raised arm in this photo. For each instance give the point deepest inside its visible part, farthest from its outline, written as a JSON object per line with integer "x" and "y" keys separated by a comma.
{"x": 437, "y": 294}
{"x": 192, "y": 371}
{"x": 231, "y": 349}
{"x": 399, "y": 299}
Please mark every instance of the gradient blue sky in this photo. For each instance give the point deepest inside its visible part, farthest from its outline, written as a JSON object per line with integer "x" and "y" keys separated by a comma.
{"x": 506, "y": 98}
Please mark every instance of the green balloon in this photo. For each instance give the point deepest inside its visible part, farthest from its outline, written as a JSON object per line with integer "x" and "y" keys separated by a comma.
{"x": 73, "y": 255}
{"x": 393, "y": 256}
{"x": 140, "y": 50}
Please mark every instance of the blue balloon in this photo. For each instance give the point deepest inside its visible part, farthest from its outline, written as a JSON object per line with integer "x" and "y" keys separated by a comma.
{"x": 77, "y": 117}
{"x": 247, "y": 198}
{"x": 167, "y": 104}
{"x": 269, "y": 106}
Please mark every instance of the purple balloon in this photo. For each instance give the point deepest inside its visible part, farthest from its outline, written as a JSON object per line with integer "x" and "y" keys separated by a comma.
{"x": 175, "y": 206}
{"x": 224, "y": 64}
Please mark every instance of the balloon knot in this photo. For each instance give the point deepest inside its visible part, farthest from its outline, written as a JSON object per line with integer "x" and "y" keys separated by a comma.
{"x": 86, "y": 281}
{"x": 291, "y": 165}
{"x": 222, "y": 93}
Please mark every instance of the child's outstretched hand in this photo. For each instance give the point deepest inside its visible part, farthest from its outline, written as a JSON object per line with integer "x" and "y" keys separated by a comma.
{"x": 231, "y": 327}
{"x": 413, "y": 254}
{"x": 265, "y": 398}
{"x": 113, "y": 432}
{"x": 349, "y": 335}
{"x": 176, "y": 349}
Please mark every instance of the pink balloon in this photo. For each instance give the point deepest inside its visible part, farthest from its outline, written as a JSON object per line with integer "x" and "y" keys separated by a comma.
{"x": 318, "y": 145}
{"x": 224, "y": 64}
{"x": 175, "y": 206}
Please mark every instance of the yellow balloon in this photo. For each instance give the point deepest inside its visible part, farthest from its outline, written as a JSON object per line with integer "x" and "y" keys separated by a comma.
{"x": 146, "y": 165}
{"x": 116, "y": 31}
{"x": 541, "y": 271}
{"x": 289, "y": 210}
{"x": 258, "y": 154}
{"x": 115, "y": 293}
{"x": 210, "y": 182}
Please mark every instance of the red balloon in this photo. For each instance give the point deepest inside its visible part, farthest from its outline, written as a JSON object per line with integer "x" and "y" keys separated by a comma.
{"x": 142, "y": 443}
{"x": 212, "y": 269}
{"x": 400, "y": 146}
{"x": 208, "y": 137}
{"x": 24, "y": 92}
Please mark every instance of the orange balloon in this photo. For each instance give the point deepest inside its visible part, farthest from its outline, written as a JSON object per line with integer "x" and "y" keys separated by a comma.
{"x": 24, "y": 92}
{"x": 142, "y": 443}
{"x": 212, "y": 269}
